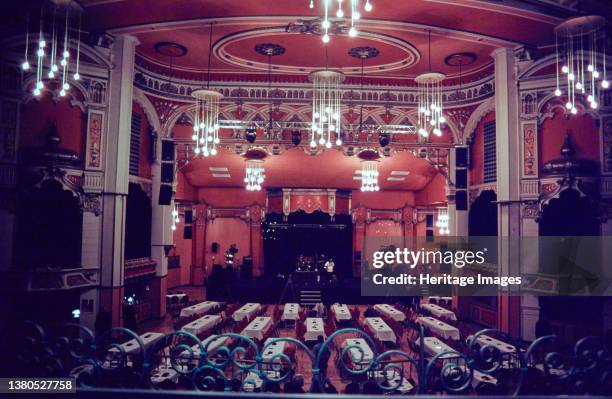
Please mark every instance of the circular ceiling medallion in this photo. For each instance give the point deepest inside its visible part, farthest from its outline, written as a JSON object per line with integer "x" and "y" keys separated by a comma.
{"x": 255, "y": 153}
{"x": 430, "y": 77}
{"x": 170, "y": 49}
{"x": 364, "y": 53}
{"x": 460, "y": 59}
{"x": 269, "y": 49}
{"x": 368, "y": 154}
{"x": 305, "y": 53}
{"x": 580, "y": 26}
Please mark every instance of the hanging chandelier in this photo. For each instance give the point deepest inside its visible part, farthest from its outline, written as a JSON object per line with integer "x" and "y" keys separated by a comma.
{"x": 175, "y": 217}
{"x": 354, "y": 14}
{"x": 57, "y": 42}
{"x": 442, "y": 222}
{"x": 326, "y": 115}
{"x": 206, "y": 118}
{"x": 581, "y": 60}
{"x": 206, "y": 121}
{"x": 430, "y": 107}
{"x": 369, "y": 176}
{"x": 255, "y": 174}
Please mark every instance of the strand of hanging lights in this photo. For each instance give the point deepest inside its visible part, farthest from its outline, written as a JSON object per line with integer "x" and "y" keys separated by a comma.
{"x": 58, "y": 39}
{"x": 581, "y": 52}
{"x": 326, "y": 115}
{"x": 175, "y": 217}
{"x": 255, "y": 174}
{"x": 206, "y": 118}
{"x": 430, "y": 106}
{"x": 369, "y": 176}
{"x": 442, "y": 222}
{"x": 354, "y": 13}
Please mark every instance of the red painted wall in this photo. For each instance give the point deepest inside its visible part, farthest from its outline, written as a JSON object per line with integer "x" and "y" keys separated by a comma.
{"x": 38, "y": 115}
{"x": 477, "y": 151}
{"x": 583, "y": 132}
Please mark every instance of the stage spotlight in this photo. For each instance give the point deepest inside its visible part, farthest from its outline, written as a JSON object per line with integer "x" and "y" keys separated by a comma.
{"x": 384, "y": 139}
{"x": 251, "y": 135}
{"x": 296, "y": 137}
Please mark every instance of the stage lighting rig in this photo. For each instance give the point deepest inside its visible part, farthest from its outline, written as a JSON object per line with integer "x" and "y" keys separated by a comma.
{"x": 251, "y": 135}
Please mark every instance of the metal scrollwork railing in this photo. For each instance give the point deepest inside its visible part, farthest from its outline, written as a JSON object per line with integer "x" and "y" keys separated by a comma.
{"x": 490, "y": 362}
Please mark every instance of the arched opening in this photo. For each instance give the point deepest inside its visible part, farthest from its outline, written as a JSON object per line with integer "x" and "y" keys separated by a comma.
{"x": 48, "y": 228}
{"x": 137, "y": 223}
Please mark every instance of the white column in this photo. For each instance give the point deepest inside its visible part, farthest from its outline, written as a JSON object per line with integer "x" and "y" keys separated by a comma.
{"x": 530, "y": 257}
{"x": 508, "y": 173}
{"x": 117, "y": 172}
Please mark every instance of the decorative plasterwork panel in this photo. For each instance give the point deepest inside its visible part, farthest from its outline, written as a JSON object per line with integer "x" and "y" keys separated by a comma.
{"x": 95, "y": 129}
{"x": 530, "y": 149}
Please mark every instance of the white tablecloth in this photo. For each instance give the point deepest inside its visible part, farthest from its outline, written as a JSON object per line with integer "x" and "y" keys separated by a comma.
{"x": 272, "y": 350}
{"x": 390, "y": 311}
{"x": 202, "y": 324}
{"x": 198, "y": 308}
{"x": 342, "y": 312}
{"x": 163, "y": 374}
{"x": 178, "y": 296}
{"x": 257, "y": 328}
{"x": 439, "y": 311}
{"x": 381, "y": 329}
{"x": 433, "y": 346}
{"x": 485, "y": 340}
{"x": 213, "y": 342}
{"x": 149, "y": 339}
{"x": 248, "y": 310}
{"x": 439, "y": 327}
{"x": 291, "y": 311}
{"x": 358, "y": 358}
{"x": 394, "y": 377}
{"x": 314, "y": 328}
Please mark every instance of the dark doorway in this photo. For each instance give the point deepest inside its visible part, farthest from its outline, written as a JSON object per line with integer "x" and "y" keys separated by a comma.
{"x": 137, "y": 223}
{"x": 48, "y": 228}
{"x": 483, "y": 215}
{"x": 310, "y": 234}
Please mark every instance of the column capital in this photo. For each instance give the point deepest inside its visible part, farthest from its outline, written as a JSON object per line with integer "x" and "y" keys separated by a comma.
{"x": 127, "y": 38}
{"x": 500, "y": 51}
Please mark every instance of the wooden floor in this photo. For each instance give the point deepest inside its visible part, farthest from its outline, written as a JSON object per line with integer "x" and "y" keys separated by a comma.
{"x": 303, "y": 363}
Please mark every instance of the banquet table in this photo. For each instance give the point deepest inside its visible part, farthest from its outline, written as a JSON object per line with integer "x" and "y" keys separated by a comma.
{"x": 439, "y": 311}
{"x": 359, "y": 358}
{"x": 439, "y": 299}
{"x": 202, "y": 324}
{"x": 291, "y": 311}
{"x": 485, "y": 340}
{"x": 164, "y": 374}
{"x": 390, "y": 311}
{"x": 270, "y": 350}
{"x": 439, "y": 328}
{"x": 248, "y": 310}
{"x": 381, "y": 330}
{"x": 481, "y": 378}
{"x": 180, "y": 296}
{"x": 433, "y": 346}
{"x": 149, "y": 339}
{"x": 257, "y": 328}
{"x": 198, "y": 308}
{"x": 393, "y": 377}
{"x": 342, "y": 312}
{"x": 314, "y": 328}
{"x": 214, "y": 342}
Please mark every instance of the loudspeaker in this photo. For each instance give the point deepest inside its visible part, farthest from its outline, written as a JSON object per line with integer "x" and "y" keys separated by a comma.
{"x": 214, "y": 247}
{"x": 167, "y": 150}
{"x": 461, "y": 157}
{"x": 187, "y": 232}
{"x": 167, "y": 172}
{"x": 188, "y": 217}
{"x": 461, "y": 178}
{"x": 461, "y": 200}
{"x": 429, "y": 221}
{"x": 165, "y": 194}
{"x": 246, "y": 270}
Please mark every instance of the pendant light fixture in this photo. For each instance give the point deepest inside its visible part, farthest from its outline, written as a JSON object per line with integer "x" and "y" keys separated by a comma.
{"x": 54, "y": 44}
{"x": 326, "y": 115}
{"x": 442, "y": 222}
{"x": 206, "y": 119}
{"x": 369, "y": 176}
{"x": 255, "y": 174}
{"x": 340, "y": 14}
{"x": 175, "y": 217}
{"x": 581, "y": 60}
{"x": 430, "y": 107}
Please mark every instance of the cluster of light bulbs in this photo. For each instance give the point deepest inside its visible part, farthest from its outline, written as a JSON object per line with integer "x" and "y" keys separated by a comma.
{"x": 206, "y": 122}
{"x": 581, "y": 55}
{"x": 442, "y": 222}
{"x": 369, "y": 176}
{"x": 175, "y": 217}
{"x": 60, "y": 71}
{"x": 255, "y": 175}
{"x": 354, "y": 13}
{"x": 326, "y": 113}
{"x": 430, "y": 107}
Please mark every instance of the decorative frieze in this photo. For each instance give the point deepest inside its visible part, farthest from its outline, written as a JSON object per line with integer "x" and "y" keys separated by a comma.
{"x": 95, "y": 124}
